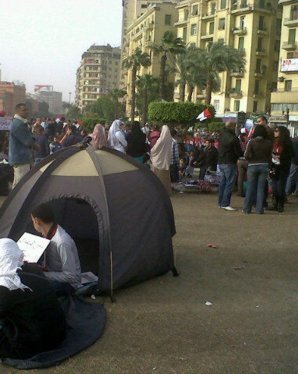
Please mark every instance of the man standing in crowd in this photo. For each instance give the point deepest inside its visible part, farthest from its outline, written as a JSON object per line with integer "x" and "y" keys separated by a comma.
{"x": 21, "y": 144}
{"x": 228, "y": 153}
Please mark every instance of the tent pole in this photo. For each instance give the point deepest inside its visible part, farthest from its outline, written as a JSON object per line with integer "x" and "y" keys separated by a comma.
{"x": 112, "y": 290}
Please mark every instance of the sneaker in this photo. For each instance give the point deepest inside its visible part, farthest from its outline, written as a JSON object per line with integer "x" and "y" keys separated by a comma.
{"x": 229, "y": 208}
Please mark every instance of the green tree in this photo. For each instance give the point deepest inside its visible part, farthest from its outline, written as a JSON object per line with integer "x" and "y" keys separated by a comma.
{"x": 147, "y": 88}
{"x": 169, "y": 47}
{"x": 117, "y": 94}
{"x": 134, "y": 62}
{"x": 217, "y": 59}
{"x": 72, "y": 111}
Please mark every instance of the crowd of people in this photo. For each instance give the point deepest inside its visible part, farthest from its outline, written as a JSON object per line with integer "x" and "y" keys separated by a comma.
{"x": 261, "y": 160}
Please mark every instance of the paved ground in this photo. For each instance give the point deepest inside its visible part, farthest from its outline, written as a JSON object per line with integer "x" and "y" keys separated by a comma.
{"x": 163, "y": 325}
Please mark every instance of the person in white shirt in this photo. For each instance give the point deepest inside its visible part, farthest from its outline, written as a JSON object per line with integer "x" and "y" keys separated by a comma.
{"x": 61, "y": 262}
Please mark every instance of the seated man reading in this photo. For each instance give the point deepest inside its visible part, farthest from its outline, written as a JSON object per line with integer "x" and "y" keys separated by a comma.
{"x": 60, "y": 262}
{"x": 31, "y": 319}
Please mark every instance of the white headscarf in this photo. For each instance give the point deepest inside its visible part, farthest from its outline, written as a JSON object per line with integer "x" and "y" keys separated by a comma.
{"x": 161, "y": 152}
{"x": 116, "y": 138}
{"x": 11, "y": 259}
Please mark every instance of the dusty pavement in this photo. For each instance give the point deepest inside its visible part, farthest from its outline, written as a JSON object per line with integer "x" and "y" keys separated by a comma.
{"x": 163, "y": 325}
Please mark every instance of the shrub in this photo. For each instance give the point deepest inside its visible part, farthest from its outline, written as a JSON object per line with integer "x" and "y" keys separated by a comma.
{"x": 173, "y": 113}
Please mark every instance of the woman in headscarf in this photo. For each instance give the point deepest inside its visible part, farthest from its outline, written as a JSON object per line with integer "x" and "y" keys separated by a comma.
{"x": 116, "y": 136}
{"x": 160, "y": 156}
{"x": 31, "y": 319}
{"x": 136, "y": 143}
{"x": 98, "y": 136}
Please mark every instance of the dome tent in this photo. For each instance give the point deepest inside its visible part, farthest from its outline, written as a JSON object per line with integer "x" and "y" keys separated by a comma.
{"x": 116, "y": 210}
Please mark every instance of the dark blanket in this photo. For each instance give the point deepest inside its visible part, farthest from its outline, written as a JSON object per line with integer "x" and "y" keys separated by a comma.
{"x": 86, "y": 323}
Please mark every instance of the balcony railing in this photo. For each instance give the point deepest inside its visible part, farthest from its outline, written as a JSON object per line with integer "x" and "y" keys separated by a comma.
{"x": 292, "y": 21}
{"x": 239, "y": 30}
{"x": 238, "y": 74}
{"x": 235, "y": 93}
{"x": 290, "y": 45}
{"x": 261, "y": 52}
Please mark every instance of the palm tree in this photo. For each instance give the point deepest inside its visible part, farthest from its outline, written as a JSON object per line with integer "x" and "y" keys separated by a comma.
{"x": 217, "y": 59}
{"x": 134, "y": 62}
{"x": 147, "y": 86}
{"x": 169, "y": 47}
{"x": 191, "y": 73}
{"x": 117, "y": 94}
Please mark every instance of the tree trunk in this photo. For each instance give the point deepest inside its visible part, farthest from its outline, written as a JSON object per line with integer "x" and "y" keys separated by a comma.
{"x": 182, "y": 92}
{"x": 208, "y": 90}
{"x": 162, "y": 87}
{"x": 145, "y": 114}
{"x": 133, "y": 93}
{"x": 116, "y": 107}
{"x": 190, "y": 92}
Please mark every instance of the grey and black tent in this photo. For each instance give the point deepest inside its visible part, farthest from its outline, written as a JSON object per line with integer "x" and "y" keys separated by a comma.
{"x": 116, "y": 210}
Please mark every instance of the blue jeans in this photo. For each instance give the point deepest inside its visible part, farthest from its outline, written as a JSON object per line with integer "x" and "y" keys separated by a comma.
{"x": 256, "y": 181}
{"x": 226, "y": 185}
{"x": 292, "y": 182}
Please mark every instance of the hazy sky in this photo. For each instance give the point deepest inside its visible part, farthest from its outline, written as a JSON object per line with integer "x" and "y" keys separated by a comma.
{"x": 41, "y": 41}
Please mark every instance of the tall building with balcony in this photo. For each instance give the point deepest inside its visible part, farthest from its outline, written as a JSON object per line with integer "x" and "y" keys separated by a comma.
{"x": 284, "y": 99}
{"x": 252, "y": 26}
{"x": 98, "y": 74}
{"x": 158, "y": 17}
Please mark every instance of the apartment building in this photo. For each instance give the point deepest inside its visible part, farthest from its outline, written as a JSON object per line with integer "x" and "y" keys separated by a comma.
{"x": 11, "y": 94}
{"x": 132, "y": 10}
{"x": 157, "y": 18}
{"x": 253, "y": 26}
{"x": 98, "y": 74}
{"x": 284, "y": 99}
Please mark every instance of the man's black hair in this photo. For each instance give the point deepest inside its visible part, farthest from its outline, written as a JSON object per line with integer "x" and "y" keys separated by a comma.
{"x": 18, "y": 106}
{"x": 263, "y": 118}
{"x": 44, "y": 212}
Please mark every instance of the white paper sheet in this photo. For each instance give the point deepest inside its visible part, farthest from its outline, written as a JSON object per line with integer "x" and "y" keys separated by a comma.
{"x": 32, "y": 246}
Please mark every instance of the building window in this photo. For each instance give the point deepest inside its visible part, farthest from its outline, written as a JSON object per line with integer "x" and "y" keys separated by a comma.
{"x": 168, "y": 19}
{"x": 238, "y": 85}
{"x": 278, "y": 26}
{"x": 213, "y": 8}
{"x": 193, "y": 29}
{"x": 143, "y": 6}
{"x": 223, "y": 4}
{"x": 292, "y": 36}
{"x": 260, "y": 45}
{"x": 221, "y": 23}
{"x": 184, "y": 33}
{"x": 288, "y": 85}
{"x": 211, "y": 28}
{"x": 294, "y": 12}
{"x": 242, "y": 22}
{"x": 261, "y": 23}
{"x": 236, "y": 105}
{"x": 195, "y": 10}
{"x": 255, "y": 106}
{"x": 262, "y": 4}
{"x": 241, "y": 43}
{"x": 216, "y": 105}
{"x": 257, "y": 87}
{"x": 276, "y": 45}
{"x": 258, "y": 65}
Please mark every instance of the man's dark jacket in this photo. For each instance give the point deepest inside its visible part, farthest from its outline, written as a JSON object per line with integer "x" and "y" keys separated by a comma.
{"x": 229, "y": 147}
